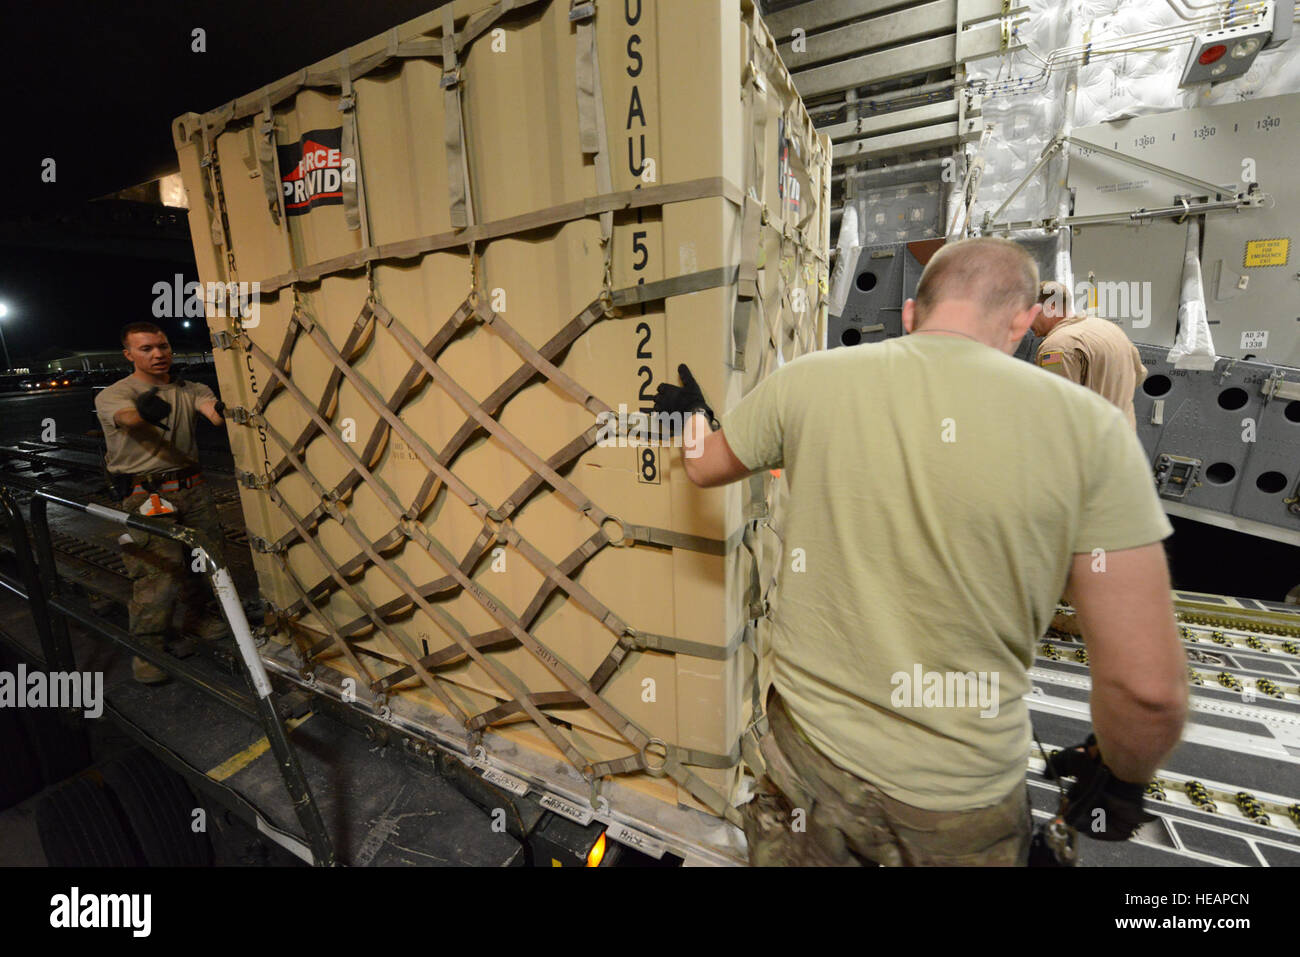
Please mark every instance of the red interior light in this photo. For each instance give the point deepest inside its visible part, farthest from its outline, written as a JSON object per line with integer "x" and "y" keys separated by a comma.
{"x": 1210, "y": 54}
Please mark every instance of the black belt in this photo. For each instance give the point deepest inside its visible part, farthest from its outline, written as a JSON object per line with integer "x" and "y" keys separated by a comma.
{"x": 154, "y": 481}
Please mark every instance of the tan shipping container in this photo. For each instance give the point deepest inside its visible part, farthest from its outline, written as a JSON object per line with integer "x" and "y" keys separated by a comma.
{"x": 472, "y": 236}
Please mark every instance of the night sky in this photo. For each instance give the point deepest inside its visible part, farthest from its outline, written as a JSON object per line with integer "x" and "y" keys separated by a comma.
{"x": 95, "y": 86}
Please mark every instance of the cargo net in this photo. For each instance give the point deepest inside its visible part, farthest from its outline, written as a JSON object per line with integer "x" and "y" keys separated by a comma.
{"x": 383, "y": 672}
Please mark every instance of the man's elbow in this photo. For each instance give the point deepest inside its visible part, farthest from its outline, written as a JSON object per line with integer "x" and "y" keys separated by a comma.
{"x": 696, "y": 471}
{"x": 1162, "y": 700}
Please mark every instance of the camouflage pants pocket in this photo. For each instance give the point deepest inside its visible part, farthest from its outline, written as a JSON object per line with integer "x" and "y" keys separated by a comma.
{"x": 993, "y": 836}
{"x": 157, "y": 572}
{"x": 777, "y": 832}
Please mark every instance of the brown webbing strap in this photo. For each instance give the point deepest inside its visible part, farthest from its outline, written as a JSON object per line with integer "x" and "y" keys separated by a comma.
{"x": 589, "y": 315}
{"x": 207, "y": 171}
{"x": 665, "y": 538}
{"x": 542, "y": 699}
{"x": 416, "y": 532}
{"x": 494, "y": 669}
{"x": 539, "y": 362}
{"x": 462, "y": 209}
{"x": 336, "y": 638}
{"x": 489, "y": 516}
{"x": 354, "y": 197}
{"x": 492, "y": 404}
{"x": 648, "y": 641}
{"x": 561, "y": 485}
{"x": 498, "y": 672}
{"x": 410, "y": 382}
{"x": 479, "y": 23}
{"x": 504, "y": 392}
{"x": 676, "y": 286}
{"x": 481, "y": 545}
{"x": 571, "y": 563}
{"x": 305, "y": 79}
{"x": 621, "y": 724}
{"x": 322, "y": 556}
{"x": 266, "y": 162}
{"x": 351, "y": 346}
{"x": 592, "y": 133}
{"x": 638, "y": 762}
{"x": 485, "y": 542}
{"x": 458, "y": 487}
{"x": 526, "y": 222}
{"x": 282, "y": 361}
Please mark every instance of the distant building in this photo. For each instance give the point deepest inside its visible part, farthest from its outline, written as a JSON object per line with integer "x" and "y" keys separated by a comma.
{"x": 64, "y": 360}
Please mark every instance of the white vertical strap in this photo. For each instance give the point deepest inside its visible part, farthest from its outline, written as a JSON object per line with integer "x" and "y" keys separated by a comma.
{"x": 588, "y": 74}
{"x": 457, "y": 169}
{"x": 593, "y": 135}
{"x": 207, "y": 161}
{"x": 354, "y": 199}
{"x": 266, "y": 160}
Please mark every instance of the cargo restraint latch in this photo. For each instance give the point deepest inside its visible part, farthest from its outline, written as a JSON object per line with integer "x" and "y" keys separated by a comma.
{"x": 1176, "y": 475}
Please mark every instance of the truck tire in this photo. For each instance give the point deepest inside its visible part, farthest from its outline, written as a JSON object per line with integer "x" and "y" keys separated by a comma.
{"x": 79, "y": 826}
{"x": 158, "y": 807}
{"x": 61, "y": 751}
{"x": 22, "y": 775}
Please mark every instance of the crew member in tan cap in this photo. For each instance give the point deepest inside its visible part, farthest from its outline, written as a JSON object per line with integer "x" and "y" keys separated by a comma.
{"x": 1091, "y": 351}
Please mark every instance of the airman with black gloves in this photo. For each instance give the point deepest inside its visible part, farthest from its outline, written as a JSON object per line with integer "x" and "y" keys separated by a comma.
{"x": 148, "y": 420}
{"x": 937, "y": 526}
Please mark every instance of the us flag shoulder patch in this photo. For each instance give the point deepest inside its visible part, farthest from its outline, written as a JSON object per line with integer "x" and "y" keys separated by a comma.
{"x": 1050, "y": 358}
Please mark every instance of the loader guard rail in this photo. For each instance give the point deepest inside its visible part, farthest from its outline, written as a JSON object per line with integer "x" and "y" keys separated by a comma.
{"x": 38, "y": 584}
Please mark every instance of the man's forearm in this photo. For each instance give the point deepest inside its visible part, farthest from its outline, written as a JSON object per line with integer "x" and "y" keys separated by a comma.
{"x": 1136, "y": 659}
{"x": 706, "y": 455}
{"x": 128, "y": 419}
{"x": 1134, "y": 738}
{"x": 210, "y": 411}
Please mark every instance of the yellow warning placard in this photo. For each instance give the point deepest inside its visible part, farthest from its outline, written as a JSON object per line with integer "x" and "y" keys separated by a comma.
{"x": 1267, "y": 252}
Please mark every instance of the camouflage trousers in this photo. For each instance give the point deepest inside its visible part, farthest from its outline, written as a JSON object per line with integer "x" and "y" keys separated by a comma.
{"x": 809, "y": 812}
{"x": 161, "y": 570}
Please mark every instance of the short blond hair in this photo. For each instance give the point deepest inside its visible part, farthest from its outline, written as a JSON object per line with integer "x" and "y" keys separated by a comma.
{"x": 998, "y": 274}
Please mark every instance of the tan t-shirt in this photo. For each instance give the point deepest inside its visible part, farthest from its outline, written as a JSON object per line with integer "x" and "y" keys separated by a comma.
{"x": 150, "y": 448}
{"x": 1098, "y": 355}
{"x": 938, "y": 489}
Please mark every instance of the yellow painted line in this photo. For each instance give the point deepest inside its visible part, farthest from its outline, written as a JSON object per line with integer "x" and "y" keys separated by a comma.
{"x": 237, "y": 762}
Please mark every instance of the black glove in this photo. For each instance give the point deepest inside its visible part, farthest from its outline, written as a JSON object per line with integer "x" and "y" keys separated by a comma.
{"x": 686, "y": 399}
{"x": 221, "y": 408}
{"x": 153, "y": 408}
{"x": 1097, "y": 789}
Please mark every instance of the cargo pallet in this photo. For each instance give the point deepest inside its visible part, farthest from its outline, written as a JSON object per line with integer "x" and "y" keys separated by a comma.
{"x": 305, "y": 770}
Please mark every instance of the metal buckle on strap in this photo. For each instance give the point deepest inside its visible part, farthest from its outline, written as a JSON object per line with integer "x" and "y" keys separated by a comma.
{"x": 251, "y": 481}
{"x": 449, "y": 79}
{"x": 260, "y": 544}
{"x": 581, "y": 11}
{"x": 221, "y": 340}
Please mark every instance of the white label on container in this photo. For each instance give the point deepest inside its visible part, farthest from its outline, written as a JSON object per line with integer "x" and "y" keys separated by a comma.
{"x": 686, "y": 258}
{"x": 506, "y": 781}
{"x": 635, "y": 839}
{"x": 567, "y": 809}
{"x": 1254, "y": 340}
